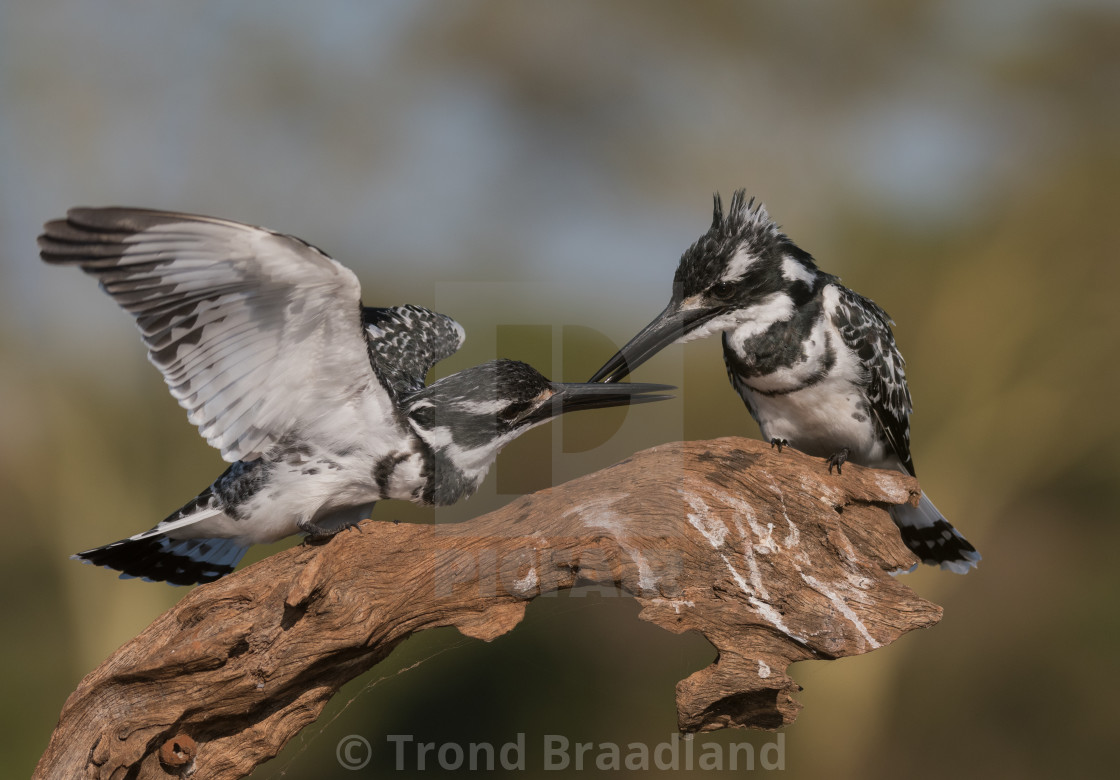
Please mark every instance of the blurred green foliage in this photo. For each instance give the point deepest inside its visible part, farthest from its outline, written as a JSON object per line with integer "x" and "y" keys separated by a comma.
{"x": 1004, "y": 291}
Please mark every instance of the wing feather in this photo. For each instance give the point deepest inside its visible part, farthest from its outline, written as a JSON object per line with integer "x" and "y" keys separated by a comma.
{"x": 257, "y": 334}
{"x": 866, "y": 330}
{"x": 406, "y": 341}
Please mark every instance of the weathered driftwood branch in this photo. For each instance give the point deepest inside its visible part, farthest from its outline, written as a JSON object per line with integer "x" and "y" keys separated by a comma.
{"x": 770, "y": 557}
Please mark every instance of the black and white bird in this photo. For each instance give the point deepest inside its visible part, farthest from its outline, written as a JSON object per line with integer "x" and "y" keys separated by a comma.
{"x": 815, "y": 363}
{"x": 318, "y": 402}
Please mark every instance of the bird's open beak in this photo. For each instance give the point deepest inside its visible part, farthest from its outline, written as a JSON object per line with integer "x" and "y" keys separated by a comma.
{"x": 574, "y": 396}
{"x": 670, "y": 325}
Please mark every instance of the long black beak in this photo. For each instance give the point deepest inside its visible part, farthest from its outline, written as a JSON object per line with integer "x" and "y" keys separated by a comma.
{"x": 667, "y": 327}
{"x": 574, "y": 396}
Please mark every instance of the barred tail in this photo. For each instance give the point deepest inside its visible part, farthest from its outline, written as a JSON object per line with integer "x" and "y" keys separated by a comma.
{"x": 930, "y": 536}
{"x": 156, "y": 557}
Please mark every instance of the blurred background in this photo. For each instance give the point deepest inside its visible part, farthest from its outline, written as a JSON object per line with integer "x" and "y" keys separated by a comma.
{"x": 535, "y": 169}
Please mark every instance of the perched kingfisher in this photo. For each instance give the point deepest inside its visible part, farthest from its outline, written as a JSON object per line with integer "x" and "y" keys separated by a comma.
{"x": 815, "y": 363}
{"x": 317, "y": 401}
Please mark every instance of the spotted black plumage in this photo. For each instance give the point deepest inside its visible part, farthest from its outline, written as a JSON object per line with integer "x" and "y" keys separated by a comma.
{"x": 317, "y": 402}
{"x": 238, "y": 484}
{"x": 815, "y": 363}
{"x": 866, "y": 330}
{"x": 406, "y": 341}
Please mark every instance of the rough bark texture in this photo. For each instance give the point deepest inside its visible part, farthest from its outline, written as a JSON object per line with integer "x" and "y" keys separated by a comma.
{"x": 769, "y": 556}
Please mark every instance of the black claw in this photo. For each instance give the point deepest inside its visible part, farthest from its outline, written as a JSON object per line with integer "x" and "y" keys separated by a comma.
{"x": 779, "y": 443}
{"x": 838, "y": 459}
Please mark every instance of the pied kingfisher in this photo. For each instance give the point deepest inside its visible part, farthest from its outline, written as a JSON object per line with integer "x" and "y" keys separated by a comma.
{"x": 317, "y": 401}
{"x": 815, "y": 363}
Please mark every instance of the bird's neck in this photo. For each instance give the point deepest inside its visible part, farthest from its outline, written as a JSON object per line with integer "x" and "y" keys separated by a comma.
{"x": 449, "y": 481}
{"x": 456, "y": 469}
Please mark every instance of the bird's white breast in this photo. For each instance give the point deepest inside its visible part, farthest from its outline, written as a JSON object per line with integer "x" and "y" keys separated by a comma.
{"x": 820, "y": 420}
{"x": 826, "y": 415}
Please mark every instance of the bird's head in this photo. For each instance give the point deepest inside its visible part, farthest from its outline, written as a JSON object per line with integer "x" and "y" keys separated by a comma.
{"x": 466, "y": 418}
{"x": 744, "y": 272}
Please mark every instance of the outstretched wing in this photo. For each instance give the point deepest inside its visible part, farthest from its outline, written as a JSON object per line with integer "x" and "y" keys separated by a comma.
{"x": 258, "y": 335}
{"x": 866, "y": 330}
{"x": 406, "y": 341}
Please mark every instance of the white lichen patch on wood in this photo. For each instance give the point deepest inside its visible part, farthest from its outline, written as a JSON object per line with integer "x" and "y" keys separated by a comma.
{"x": 601, "y": 515}
{"x": 528, "y": 583}
{"x": 842, "y": 607}
{"x": 703, "y": 520}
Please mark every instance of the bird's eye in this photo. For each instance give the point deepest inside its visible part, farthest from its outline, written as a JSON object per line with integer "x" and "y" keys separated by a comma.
{"x": 512, "y": 412}
{"x": 722, "y": 291}
{"x": 425, "y": 416}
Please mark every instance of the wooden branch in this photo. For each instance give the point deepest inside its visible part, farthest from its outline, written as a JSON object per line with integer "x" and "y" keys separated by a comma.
{"x": 769, "y": 556}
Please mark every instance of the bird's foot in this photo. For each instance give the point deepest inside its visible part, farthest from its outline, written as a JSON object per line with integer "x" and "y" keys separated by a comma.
{"x": 317, "y": 534}
{"x": 838, "y": 459}
{"x": 779, "y": 443}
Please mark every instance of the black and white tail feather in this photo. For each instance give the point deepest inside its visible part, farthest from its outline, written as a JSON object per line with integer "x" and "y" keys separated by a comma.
{"x": 931, "y": 537}
{"x": 155, "y": 557}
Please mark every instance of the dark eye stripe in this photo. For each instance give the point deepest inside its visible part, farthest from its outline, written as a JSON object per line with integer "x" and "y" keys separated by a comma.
{"x": 513, "y": 411}
{"x": 424, "y": 416}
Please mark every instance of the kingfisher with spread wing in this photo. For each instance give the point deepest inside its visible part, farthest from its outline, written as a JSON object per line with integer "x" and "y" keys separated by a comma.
{"x": 318, "y": 402}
